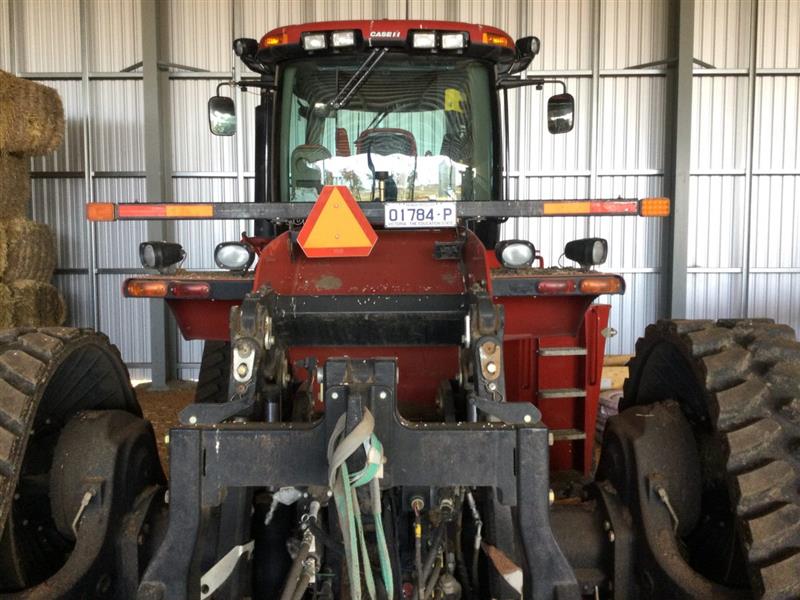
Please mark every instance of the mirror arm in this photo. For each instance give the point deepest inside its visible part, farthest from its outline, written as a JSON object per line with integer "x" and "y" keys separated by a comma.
{"x": 508, "y": 84}
{"x": 253, "y": 83}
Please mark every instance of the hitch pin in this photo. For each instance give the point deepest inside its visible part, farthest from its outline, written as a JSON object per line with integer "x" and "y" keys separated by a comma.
{"x": 87, "y": 497}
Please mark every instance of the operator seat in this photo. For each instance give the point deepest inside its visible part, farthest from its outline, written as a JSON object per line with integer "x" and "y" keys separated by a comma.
{"x": 387, "y": 141}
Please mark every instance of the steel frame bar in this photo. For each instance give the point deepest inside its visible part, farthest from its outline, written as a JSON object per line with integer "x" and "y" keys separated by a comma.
{"x": 681, "y": 154}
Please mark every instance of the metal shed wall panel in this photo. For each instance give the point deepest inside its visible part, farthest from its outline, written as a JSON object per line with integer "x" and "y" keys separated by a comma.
{"x": 115, "y": 34}
{"x": 746, "y": 161}
{"x": 48, "y": 34}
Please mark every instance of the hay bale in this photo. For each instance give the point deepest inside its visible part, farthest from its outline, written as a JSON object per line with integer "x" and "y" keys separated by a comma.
{"x": 31, "y": 117}
{"x": 37, "y": 304}
{"x": 6, "y": 307}
{"x": 27, "y": 251}
{"x": 15, "y": 185}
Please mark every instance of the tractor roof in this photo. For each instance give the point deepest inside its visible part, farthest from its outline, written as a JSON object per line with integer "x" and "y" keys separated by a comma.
{"x": 481, "y": 41}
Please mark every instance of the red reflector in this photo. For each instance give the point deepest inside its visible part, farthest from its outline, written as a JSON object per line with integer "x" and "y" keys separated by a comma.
{"x": 193, "y": 289}
{"x": 145, "y": 288}
{"x": 601, "y": 285}
{"x": 143, "y": 210}
{"x": 555, "y": 286}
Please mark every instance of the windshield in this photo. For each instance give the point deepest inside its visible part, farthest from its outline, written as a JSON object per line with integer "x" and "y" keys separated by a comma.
{"x": 419, "y": 128}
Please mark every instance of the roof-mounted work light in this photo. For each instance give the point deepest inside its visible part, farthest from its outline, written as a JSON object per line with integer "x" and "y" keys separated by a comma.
{"x": 314, "y": 41}
{"x": 454, "y": 41}
{"x": 424, "y": 40}
{"x": 343, "y": 39}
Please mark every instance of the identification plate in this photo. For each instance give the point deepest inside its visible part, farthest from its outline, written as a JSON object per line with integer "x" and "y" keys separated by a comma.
{"x": 407, "y": 215}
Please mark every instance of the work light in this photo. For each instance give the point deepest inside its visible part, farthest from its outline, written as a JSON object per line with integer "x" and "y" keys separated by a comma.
{"x": 587, "y": 252}
{"x": 453, "y": 41}
{"x": 342, "y": 39}
{"x": 314, "y": 41}
{"x": 234, "y": 256}
{"x": 424, "y": 40}
{"x": 515, "y": 254}
{"x": 163, "y": 257}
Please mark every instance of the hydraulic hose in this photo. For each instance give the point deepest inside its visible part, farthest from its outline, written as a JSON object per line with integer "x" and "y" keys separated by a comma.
{"x": 302, "y": 584}
{"x": 432, "y": 553}
{"x": 476, "y": 546}
{"x": 295, "y": 571}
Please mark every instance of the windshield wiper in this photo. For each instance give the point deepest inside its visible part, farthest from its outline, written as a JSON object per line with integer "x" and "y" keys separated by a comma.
{"x": 358, "y": 79}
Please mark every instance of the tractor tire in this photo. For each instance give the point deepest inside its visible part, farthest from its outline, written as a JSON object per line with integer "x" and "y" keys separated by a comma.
{"x": 212, "y": 383}
{"x": 47, "y": 375}
{"x": 738, "y": 382}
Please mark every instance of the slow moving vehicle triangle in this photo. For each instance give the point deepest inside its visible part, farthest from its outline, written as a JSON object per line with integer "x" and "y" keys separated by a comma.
{"x": 336, "y": 227}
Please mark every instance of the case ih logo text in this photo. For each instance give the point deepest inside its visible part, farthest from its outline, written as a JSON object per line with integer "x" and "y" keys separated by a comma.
{"x": 384, "y": 34}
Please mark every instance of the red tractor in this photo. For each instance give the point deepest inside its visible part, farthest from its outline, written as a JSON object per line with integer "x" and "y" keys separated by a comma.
{"x": 394, "y": 403}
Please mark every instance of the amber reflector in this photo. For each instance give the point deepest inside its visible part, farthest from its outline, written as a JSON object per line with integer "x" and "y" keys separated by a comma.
{"x": 655, "y": 207}
{"x": 145, "y": 288}
{"x": 100, "y": 211}
{"x": 600, "y": 285}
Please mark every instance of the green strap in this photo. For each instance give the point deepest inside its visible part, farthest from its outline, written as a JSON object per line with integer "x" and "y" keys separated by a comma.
{"x": 344, "y": 487}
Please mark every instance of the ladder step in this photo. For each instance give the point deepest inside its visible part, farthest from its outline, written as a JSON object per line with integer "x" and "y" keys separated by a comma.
{"x": 568, "y": 435}
{"x": 563, "y": 393}
{"x": 562, "y": 351}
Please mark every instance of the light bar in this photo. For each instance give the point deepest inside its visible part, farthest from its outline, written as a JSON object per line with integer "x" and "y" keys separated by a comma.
{"x": 314, "y": 41}
{"x": 424, "y": 40}
{"x": 343, "y": 39}
{"x": 288, "y": 211}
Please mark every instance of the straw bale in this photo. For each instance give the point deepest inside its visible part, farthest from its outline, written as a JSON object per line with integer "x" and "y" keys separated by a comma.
{"x": 15, "y": 185}
{"x": 6, "y": 307}
{"x": 31, "y": 117}
{"x": 27, "y": 251}
{"x": 37, "y": 304}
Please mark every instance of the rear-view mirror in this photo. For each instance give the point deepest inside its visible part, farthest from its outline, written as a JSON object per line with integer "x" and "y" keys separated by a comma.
{"x": 222, "y": 115}
{"x": 560, "y": 111}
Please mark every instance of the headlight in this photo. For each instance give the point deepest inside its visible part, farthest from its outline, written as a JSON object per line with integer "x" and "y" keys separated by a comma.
{"x": 587, "y": 252}
{"x": 234, "y": 256}
{"x": 342, "y": 39}
{"x": 515, "y": 254}
{"x": 314, "y": 41}
{"x": 453, "y": 41}
{"x": 424, "y": 40}
{"x": 164, "y": 257}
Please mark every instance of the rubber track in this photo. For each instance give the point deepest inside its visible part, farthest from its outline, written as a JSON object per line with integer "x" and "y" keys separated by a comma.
{"x": 751, "y": 373}
{"x": 28, "y": 358}
{"x": 212, "y": 383}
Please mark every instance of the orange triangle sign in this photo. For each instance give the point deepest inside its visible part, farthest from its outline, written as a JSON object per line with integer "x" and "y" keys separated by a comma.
{"x": 336, "y": 226}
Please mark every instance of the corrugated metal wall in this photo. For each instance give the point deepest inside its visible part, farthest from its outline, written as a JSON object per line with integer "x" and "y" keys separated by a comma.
{"x": 745, "y": 156}
{"x": 745, "y": 206}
